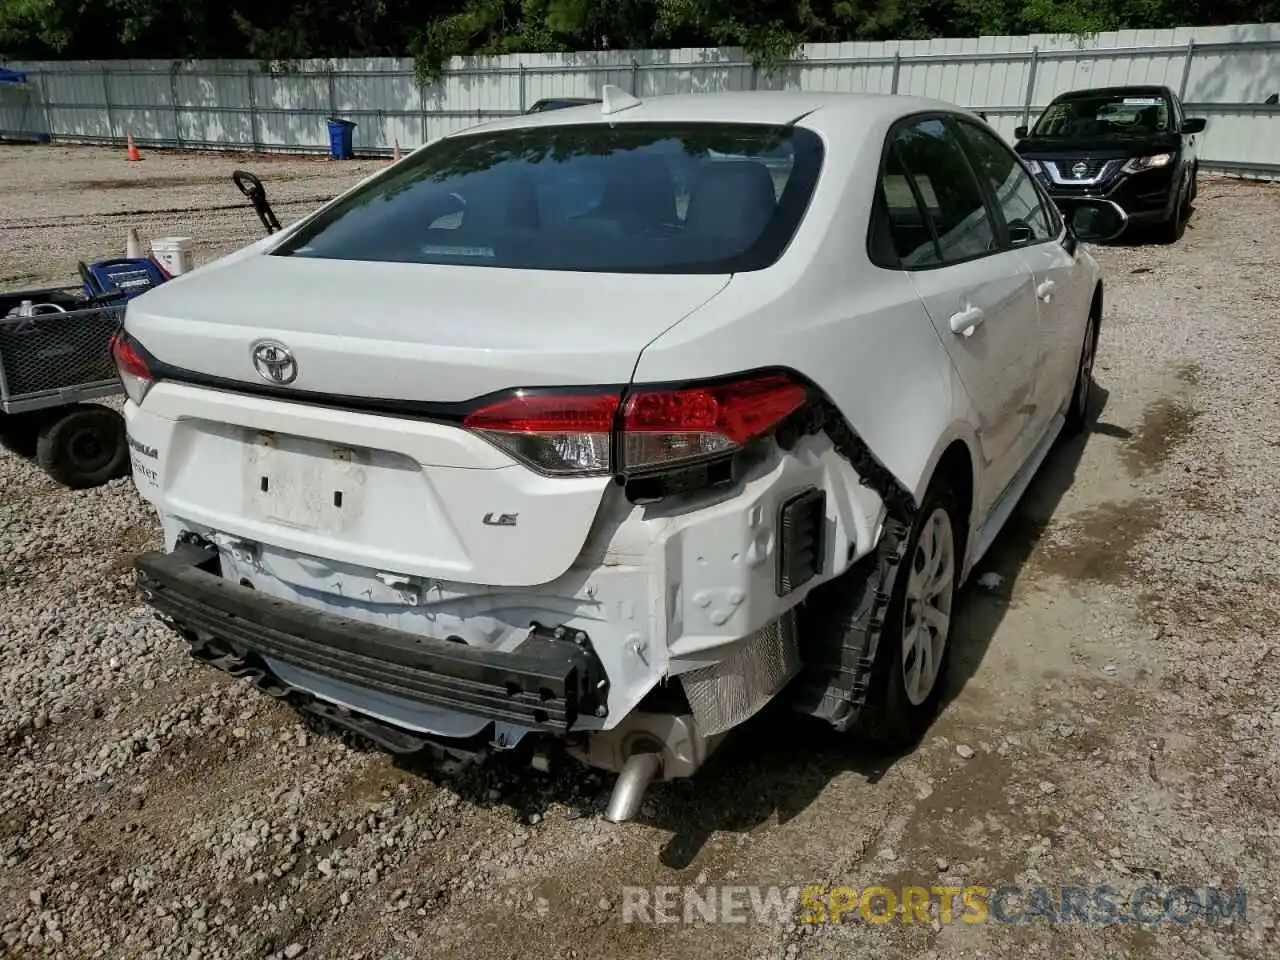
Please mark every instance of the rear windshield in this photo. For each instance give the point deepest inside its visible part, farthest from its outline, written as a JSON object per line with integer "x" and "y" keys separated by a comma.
{"x": 1115, "y": 113}
{"x": 632, "y": 198}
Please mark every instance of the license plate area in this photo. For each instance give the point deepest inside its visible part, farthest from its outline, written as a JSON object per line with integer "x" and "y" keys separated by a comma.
{"x": 304, "y": 484}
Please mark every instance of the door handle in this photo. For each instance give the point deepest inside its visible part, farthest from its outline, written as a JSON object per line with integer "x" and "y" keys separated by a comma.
{"x": 1045, "y": 290}
{"x": 966, "y": 320}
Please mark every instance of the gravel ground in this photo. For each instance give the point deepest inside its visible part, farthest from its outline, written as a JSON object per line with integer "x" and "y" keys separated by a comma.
{"x": 1114, "y": 714}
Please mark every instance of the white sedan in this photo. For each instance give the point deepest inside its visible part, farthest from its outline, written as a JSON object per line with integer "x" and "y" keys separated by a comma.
{"x": 610, "y": 424}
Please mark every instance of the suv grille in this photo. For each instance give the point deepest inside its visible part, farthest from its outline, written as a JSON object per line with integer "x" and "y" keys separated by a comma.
{"x": 1078, "y": 169}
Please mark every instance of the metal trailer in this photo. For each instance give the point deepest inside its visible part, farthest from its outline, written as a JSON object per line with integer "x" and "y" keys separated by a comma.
{"x": 54, "y": 361}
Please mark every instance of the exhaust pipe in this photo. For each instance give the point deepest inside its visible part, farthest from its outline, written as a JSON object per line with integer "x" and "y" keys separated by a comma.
{"x": 633, "y": 781}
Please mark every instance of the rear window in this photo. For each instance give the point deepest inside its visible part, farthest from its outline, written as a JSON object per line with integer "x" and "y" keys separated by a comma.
{"x": 631, "y": 198}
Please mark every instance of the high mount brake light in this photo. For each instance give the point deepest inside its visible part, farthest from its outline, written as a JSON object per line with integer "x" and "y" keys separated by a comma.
{"x": 135, "y": 375}
{"x": 586, "y": 434}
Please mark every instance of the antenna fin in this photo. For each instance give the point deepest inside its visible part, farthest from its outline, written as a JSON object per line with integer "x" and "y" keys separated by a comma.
{"x": 615, "y": 100}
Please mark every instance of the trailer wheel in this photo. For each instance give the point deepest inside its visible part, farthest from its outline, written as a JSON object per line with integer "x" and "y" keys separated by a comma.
{"x": 84, "y": 447}
{"x": 18, "y": 433}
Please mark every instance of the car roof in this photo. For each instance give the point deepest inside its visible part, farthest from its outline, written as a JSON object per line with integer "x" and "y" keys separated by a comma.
{"x": 754, "y": 106}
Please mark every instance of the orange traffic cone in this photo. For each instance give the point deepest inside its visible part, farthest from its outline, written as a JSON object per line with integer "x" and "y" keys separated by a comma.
{"x": 395, "y": 153}
{"x": 132, "y": 152}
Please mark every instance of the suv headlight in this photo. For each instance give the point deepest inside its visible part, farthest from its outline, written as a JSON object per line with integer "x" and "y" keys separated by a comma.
{"x": 1037, "y": 170}
{"x": 1138, "y": 164}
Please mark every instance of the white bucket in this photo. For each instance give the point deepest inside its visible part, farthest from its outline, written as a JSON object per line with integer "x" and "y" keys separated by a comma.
{"x": 174, "y": 254}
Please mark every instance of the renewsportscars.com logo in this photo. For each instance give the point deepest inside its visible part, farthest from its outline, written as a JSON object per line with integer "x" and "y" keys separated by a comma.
{"x": 972, "y": 904}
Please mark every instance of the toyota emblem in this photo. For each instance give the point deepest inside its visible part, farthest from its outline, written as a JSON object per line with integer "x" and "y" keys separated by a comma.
{"x": 274, "y": 362}
{"x": 1079, "y": 170}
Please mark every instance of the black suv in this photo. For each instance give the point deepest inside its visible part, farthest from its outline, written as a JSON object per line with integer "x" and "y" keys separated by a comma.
{"x": 1130, "y": 145}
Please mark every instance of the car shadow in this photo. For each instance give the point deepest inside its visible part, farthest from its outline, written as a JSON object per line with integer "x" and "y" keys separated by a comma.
{"x": 773, "y": 767}
{"x": 981, "y": 610}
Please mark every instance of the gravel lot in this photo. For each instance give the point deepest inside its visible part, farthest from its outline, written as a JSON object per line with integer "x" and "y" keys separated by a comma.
{"x": 1115, "y": 716}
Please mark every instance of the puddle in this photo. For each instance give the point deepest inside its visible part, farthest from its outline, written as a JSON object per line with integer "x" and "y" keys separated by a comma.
{"x": 1166, "y": 425}
{"x": 1096, "y": 546}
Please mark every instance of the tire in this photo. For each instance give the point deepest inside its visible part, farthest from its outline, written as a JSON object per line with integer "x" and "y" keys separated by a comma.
{"x": 18, "y": 433}
{"x": 1171, "y": 230}
{"x": 1077, "y": 417}
{"x": 898, "y": 711}
{"x": 1195, "y": 183}
{"x": 84, "y": 447}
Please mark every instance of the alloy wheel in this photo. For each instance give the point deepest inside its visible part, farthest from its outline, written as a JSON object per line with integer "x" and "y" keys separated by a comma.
{"x": 927, "y": 614}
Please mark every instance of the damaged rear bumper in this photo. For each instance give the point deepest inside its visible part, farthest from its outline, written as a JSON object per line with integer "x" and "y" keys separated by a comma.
{"x": 548, "y": 683}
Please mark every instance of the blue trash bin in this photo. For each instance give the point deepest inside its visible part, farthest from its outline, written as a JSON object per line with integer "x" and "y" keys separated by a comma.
{"x": 340, "y": 138}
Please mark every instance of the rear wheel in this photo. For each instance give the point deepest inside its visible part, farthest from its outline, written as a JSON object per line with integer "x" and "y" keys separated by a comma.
{"x": 84, "y": 447}
{"x": 1078, "y": 411}
{"x": 909, "y": 671}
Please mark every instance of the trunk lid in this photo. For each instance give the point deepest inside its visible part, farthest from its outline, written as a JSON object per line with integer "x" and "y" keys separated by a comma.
{"x": 412, "y": 332}
{"x": 398, "y": 495}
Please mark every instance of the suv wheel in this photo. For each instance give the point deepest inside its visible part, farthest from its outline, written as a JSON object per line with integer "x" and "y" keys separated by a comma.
{"x": 1171, "y": 230}
{"x": 909, "y": 672}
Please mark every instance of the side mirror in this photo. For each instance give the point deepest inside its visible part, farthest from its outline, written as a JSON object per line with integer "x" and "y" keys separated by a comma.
{"x": 1193, "y": 125}
{"x": 1020, "y": 131}
{"x": 1096, "y": 220}
{"x": 1020, "y": 232}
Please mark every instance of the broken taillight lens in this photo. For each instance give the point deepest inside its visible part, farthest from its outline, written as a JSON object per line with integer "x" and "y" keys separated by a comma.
{"x": 652, "y": 430}
{"x": 134, "y": 373}
{"x": 562, "y": 434}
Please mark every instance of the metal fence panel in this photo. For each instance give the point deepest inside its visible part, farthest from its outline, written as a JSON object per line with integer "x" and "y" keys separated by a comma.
{"x": 1223, "y": 73}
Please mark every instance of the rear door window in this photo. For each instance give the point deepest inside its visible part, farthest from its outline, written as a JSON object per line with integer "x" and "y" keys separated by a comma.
{"x": 936, "y": 211}
{"x": 1025, "y": 217}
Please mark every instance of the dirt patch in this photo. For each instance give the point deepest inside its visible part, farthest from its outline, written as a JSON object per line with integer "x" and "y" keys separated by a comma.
{"x": 133, "y": 542}
{"x": 1097, "y": 545}
{"x": 1190, "y": 374}
{"x": 149, "y": 183}
{"x": 1166, "y": 425}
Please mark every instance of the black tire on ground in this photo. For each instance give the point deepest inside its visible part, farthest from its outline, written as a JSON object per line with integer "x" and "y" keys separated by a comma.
{"x": 18, "y": 433}
{"x": 1195, "y": 182}
{"x": 889, "y": 718}
{"x": 84, "y": 446}
{"x": 1078, "y": 409}
{"x": 1171, "y": 230}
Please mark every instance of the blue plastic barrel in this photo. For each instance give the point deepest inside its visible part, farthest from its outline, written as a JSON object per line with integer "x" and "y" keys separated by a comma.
{"x": 340, "y": 138}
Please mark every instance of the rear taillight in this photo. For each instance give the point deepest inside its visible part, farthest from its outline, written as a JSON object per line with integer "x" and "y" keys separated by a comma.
{"x": 649, "y": 432}
{"x": 135, "y": 376}
{"x": 562, "y": 434}
{"x": 667, "y": 428}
